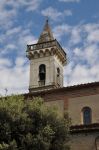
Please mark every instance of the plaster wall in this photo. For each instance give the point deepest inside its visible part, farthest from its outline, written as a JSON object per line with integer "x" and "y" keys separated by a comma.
{"x": 83, "y": 141}
{"x": 75, "y": 106}
{"x": 58, "y": 104}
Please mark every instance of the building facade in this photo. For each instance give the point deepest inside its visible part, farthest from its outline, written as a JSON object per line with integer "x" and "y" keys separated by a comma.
{"x": 47, "y": 60}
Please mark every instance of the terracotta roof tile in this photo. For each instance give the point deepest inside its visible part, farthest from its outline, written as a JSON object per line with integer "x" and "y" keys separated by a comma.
{"x": 68, "y": 88}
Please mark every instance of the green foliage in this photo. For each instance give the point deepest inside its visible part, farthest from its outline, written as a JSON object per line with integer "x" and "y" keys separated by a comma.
{"x": 32, "y": 125}
{"x": 11, "y": 146}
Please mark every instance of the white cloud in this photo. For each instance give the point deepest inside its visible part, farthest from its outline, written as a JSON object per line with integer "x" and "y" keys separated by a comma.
{"x": 14, "y": 30}
{"x": 14, "y": 79}
{"x": 61, "y": 30}
{"x": 67, "y": 13}
{"x": 15, "y": 75}
{"x": 78, "y": 52}
{"x": 94, "y": 36}
{"x": 30, "y": 5}
{"x": 83, "y": 51}
{"x": 54, "y": 14}
{"x": 86, "y": 33}
{"x": 33, "y": 5}
{"x": 10, "y": 47}
{"x": 91, "y": 54}
{"x": 81, "y": 74}
{"x": 7, "y": 16}
{"x": 69, "y": 0}
{"x": 20, "y": 61}
{"x": 75, "y": 35}
{"x": 15, "y": 70}
{"x": 74, "y": 32}
{"x": 13, "y": 41}
{"x": 93, "y": 32}
{"x": 5, "y": 63}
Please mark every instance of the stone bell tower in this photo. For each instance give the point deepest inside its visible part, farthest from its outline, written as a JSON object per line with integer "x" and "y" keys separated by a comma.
{"x": 47, "y": 59}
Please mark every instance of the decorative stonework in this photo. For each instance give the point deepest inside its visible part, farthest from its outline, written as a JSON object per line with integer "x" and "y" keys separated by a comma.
{"x": 46, "y": 49}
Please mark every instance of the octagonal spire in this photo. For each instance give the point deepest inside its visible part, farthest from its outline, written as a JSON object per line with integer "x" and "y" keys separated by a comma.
{"x": 46, "y": 34}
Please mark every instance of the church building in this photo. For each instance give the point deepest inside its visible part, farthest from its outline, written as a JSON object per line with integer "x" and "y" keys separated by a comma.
{"x": 47, "y": 60}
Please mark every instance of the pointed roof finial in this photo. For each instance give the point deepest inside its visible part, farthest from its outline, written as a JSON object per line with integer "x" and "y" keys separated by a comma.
{"x": 46, "y": 35}
{"x": 47, "y": 19}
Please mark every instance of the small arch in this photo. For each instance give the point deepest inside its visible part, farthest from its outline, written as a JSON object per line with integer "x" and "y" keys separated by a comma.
{"x": 36, "y": 54}
{"x": 87, "y": 115}
{"x": 47, "y": 52}
{"x": 41, "y": 53}
{"x": 53, "y": 51}
{"x": 42, "y": 74}
{"x": 30, "y": 55}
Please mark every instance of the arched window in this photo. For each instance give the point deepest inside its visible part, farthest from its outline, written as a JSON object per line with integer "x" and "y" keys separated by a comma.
{"x": 58, "y": 72}
{"x": 87, "y": 115}
{"x": 58, "y": 76}
{"x": 42, "y": 74}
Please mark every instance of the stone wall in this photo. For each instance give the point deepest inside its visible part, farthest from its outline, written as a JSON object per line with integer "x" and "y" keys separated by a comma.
{"x": 83, "y": 141}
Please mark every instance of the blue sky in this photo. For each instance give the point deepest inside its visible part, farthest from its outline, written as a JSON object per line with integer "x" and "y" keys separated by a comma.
{"x": 75, "y": 24}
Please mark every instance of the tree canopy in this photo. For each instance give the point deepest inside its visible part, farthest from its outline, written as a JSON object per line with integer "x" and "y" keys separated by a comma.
{"x": 32, "y": 125}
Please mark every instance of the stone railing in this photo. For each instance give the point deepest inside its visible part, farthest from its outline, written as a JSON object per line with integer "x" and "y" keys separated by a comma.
{"x": 48, "y": 44}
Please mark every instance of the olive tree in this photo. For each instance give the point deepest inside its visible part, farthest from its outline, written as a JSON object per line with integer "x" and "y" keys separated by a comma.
{"x": 32, "y": 125}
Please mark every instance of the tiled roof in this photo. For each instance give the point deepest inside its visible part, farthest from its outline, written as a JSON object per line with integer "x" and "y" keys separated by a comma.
{"x": 68, "y": 88}
{"x": 84, "y": 128}
{"x": 46, "y": 34}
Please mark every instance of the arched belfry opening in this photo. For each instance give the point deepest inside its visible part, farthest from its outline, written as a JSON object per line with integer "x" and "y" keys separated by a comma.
{"x": 42, "y": 74}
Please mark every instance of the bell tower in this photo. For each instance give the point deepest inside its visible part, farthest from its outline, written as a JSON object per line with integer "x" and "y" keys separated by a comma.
{"x": 47, "y": 59}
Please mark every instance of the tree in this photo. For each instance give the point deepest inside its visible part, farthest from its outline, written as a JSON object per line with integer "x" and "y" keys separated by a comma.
{"x": 32, "y": 125}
